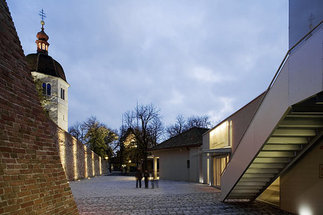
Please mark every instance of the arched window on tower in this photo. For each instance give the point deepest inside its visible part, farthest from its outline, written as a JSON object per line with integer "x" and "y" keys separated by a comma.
{"x": 39, "y": 45}
{"x": 43, "y": 46}
{"x": 44, "y": 88}
{"x": 49, "y": 90}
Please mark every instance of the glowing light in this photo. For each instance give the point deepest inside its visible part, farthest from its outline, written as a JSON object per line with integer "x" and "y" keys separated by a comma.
{"x": 201, "y": 180}
{"x": 93, "y": 169}
{"x": 129, "y": 161}
{"x": 85, "y": 162}
{"x": 219, "y": 136}
{"x": 106, "y": 157}
{"x": 305, "y": 210}
{"x": 100, "y": 165}
{"x": 75, "y": 158}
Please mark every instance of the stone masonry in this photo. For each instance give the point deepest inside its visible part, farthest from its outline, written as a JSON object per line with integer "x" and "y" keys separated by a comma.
{"x": 32, "y": 179}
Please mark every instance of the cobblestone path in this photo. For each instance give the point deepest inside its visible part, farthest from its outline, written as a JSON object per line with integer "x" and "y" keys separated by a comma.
{"x": 118, "y": 195}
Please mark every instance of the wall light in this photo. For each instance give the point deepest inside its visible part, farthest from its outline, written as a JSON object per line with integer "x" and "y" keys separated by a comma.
{"x": 305, "y": 210}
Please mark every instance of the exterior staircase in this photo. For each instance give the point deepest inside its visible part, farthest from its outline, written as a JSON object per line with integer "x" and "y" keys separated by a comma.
{"x": 294, "y": 134}
{"x": 287, "y": 123}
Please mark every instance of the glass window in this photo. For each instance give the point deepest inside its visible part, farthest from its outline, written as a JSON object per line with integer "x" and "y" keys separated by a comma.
{"x": 49, "y": 90}
{"x": 62, "y": 94}
{"x": 46, "y": 47}
{"x": 44, "y": 88}
{"x": 43, "y": 46}
{"x": 39, "y": 45}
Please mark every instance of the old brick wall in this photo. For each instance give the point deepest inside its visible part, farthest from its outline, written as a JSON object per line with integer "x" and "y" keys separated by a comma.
{"x": 32, "y": 180}
{"x": 77, "y": 160}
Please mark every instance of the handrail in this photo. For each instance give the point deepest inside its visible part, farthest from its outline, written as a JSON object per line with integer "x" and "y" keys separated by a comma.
{"x": 289, "y": 51}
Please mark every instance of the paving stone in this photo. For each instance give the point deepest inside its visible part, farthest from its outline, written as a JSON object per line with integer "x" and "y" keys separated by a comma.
{"x": 118, "y": 195}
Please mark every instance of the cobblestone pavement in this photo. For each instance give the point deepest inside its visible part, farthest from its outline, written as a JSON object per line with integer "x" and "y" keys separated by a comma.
{"x": 118, "y": 195}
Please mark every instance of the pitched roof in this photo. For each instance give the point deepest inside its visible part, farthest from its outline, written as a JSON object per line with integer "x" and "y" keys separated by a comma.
{"x": 191, "y": 137}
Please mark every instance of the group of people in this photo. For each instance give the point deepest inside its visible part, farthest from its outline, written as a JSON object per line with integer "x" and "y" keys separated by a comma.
{"x": 146, "y": 175}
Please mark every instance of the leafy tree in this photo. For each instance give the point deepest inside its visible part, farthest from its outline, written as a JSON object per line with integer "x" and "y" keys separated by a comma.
{"x": 182, "y": 125}
{"x": 97, "y": 136}
{"x": 145, "y": 124}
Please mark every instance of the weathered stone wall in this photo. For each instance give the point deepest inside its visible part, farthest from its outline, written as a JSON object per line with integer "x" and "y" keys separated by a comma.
{"x": 78, "y": 161}
{"x": 32, "y": 179}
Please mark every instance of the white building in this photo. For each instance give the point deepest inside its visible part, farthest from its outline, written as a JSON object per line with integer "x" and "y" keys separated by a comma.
{"x": 50, "y": 77}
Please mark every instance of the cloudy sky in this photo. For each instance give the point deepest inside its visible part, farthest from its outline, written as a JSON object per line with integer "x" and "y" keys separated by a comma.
{"x": 207, "y": 57}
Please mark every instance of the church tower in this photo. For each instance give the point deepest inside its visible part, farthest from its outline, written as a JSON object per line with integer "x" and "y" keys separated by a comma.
{"x": 50, "y": 79}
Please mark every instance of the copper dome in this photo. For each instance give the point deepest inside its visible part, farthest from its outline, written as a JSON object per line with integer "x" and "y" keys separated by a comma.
{"x": 42, "y": 36}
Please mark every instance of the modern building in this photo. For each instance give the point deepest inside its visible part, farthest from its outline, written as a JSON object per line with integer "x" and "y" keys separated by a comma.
{"x": 178, "y": 157}
{"x": 272, "y": 149}
{"x": 50, "y": 78}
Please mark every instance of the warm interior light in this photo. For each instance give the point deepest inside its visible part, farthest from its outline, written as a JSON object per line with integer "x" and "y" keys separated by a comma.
{"x": 129, "y": 161}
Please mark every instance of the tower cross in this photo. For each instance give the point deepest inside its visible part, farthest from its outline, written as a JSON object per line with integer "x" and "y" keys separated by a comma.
{"x": 42, "y": 15}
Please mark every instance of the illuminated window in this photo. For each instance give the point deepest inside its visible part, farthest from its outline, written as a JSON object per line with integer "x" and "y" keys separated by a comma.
{"x": 46, "y": 47}
{"x": 221, "y": 136}
{"x": 39, "y": 45}
{"x": 43, "y": 46}
{"x": 49, "y": 90}
{"x": 62, "y": 94}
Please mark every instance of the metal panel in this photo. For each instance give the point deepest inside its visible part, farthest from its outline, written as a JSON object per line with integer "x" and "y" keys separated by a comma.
{"x": 305, "y": 66}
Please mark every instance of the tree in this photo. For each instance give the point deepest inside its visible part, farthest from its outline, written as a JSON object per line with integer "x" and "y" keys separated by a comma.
{"x": 198, "y": 121}
{"x": 97, "y": 136}
{"x": 78, "y": 131}
{"x": 177, "y": 128}
{"x": 146, "y": 126}
{"x": 182, "y": 125}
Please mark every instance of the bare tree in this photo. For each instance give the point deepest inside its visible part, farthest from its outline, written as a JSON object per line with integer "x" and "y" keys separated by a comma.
{"x": 182, "y": 125}
{"x": 78, "y": 131}
{"x": 144, "y": 122}
{"x": 178, "y": 127}
{"x": 198, "y": 121}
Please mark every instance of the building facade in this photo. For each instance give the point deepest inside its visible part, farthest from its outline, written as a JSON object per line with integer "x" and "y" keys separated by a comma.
{"x": 277, "y": 157}
{"x": 182, "y": 154}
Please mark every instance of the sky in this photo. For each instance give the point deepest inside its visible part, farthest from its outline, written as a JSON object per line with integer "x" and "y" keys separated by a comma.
{"x": 208, "y": 57}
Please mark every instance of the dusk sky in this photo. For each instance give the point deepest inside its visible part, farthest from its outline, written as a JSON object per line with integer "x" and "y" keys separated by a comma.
{"x": 208, "y": 57}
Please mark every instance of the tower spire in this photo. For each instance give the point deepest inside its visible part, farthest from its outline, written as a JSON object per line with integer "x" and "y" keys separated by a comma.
{"x": 42, "y": 37}
{"x": 42, "y": 15}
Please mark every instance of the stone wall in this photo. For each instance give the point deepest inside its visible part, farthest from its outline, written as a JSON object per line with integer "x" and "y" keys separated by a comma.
{"x": 78, "y": 160}
{"x": 32, "y": 179}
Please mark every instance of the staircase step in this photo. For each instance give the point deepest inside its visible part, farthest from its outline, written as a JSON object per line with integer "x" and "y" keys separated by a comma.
{"x": 301, "y": 123}
{"x": 287, "y": 140}
{"x": 262, "y": 170}
{"x": 275, "y": 154}
{"x": 258, "y": 175}
{"x": 282, "y": 147}
{"x": 264, "y": 180}
{"x": 271, "y": 160}
{"x": 251, "y": 183}
{"x": 296, "y": 132}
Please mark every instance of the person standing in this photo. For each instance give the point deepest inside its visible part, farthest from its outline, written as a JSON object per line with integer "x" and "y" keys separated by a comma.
{"x": 138, "y": 176}
{"x": 146, "y": 176}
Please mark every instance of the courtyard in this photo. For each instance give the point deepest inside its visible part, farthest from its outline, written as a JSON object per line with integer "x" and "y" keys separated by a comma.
{"x": 118, "y": 195}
